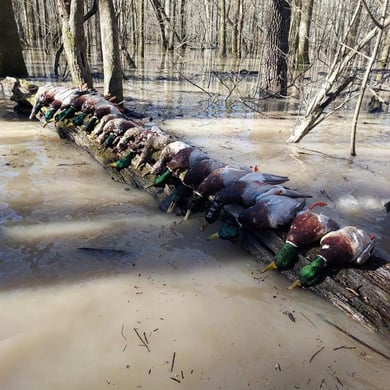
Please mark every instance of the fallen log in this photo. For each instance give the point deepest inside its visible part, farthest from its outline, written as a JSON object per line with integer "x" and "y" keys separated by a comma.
{"x": 363, "y": 293}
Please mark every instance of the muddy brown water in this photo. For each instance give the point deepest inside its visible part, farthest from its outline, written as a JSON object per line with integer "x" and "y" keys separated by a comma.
{"x": 100, "y": 289}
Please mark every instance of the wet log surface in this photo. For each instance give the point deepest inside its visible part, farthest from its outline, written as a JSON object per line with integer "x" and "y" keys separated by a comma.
{"x": 361, "y": 292}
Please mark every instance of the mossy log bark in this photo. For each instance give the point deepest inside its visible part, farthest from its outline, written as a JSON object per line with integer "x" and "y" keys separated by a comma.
{"x": 362, "y": 292}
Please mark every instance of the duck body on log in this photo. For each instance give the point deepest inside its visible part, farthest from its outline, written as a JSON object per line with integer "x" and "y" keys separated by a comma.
{"x": 220, "y": 178}
{"x": 55, "y": 98}
{"x": 185, "y": 159}
{"x": 199, "y": 171}
{"x": 115, "y": 128}
{"x": 338, "y": 248}
{"x": 306, "y": 229}
{"x": 246, "y": 191}
{"x": 99, "y": 107}
{"x": 44, "y": 96}
{"x": 124, "y": 141}
{"x": 374, "y": 279}
{"x": 269, "y": 212}
{"x": 166, "y": 155}
{"x": 155, "y": 141}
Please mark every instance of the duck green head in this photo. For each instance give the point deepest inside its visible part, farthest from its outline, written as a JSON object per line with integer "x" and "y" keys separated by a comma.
{"x": 64, "y": 114}
{"x": 226, "y": 232}
{"x": 284, "y": 259}
{"x": 78, "y": 120}
{"x": 49, "y": 114}
{"x": 311, "y": 273}
{"x": 160, "y": 180}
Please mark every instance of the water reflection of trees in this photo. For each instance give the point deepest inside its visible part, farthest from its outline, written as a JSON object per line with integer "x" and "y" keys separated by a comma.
{"x": 227, "y": 38}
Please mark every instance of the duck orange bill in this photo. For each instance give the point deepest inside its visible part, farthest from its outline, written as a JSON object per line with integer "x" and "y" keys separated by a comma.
{"x": 269, "y": 267}
{"x": 297, "y": 283}
{"x": 187, "y": 216}
{"x": 213, "y": 236}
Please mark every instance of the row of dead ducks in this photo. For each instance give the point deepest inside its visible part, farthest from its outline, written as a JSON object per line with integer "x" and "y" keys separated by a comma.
{"x": 254, "y": 200}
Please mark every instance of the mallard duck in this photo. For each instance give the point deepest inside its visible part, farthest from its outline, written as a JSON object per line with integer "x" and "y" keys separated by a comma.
{"x": 269, "y": 212}
{"x": 44, "y": 97}
{"x": 186, "y": 158}
{"x": 155, "y": 141}
{"x": 225, "y": 176}
{"x": 228, "y": 231}
{"x": 71, "y": 103}
{"x": 193, "y": 176}
{"x": 98, "y": 106}
{"x": 99, "y": 128}
{"x": 124, "y": 140}
{"x": 346, "y": 245}
{"x": 180, "y": 159}
{"x": 123, "y": 162}
{"x": 246, "y": 193}
{"x": 117, "y": 127}
{"x": 166, "y": 155}
{"x": 306, "y": 229}
{"x": 220, "y": 178}
{"x": 198, "y": 171}
{"x": 56, "y": 100}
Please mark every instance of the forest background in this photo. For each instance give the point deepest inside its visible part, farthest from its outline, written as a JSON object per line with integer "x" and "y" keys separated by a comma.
{"x": 324, "y": 53}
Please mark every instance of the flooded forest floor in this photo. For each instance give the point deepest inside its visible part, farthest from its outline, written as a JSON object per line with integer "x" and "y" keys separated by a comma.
{"x": 100, "y": 289}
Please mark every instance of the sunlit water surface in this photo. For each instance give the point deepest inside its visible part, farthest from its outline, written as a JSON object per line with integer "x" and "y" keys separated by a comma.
{"x": 100, "y": 289}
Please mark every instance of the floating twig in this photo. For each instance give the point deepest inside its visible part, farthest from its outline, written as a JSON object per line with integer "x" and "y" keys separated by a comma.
{"x": 311, "y": 359}
{"x": 123, "y": 327}
{"x": 309, "y": 320}
{"x": 338, "y": 380}
{"x": 175, "y": 379}
{"x": 142, "y": 340}
{"x": 343, "y": 347}
{"x": 289, "y": 315}
{"x": 358, "y": 340}
{"x": 173, "y": 360}
{"x": 124, "y": 348}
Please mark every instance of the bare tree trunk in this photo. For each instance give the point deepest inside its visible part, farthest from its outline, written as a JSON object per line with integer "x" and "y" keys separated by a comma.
{"x": 338, "y": 78}
{"x": 113, "y": 75}
{"x": 11, "y": 56}
{"x": 141, "y": 29}
{"x": 222, "y": 31}
{"x": 379, "y": 27}
{"x": 159, "y": 10}
{"x": 275, "y": 75}
{"x": 171, "y": 12}
{"x": 304, "y": 33}
{"x": 183, "y": 25}
{"x": 72, "y": 14}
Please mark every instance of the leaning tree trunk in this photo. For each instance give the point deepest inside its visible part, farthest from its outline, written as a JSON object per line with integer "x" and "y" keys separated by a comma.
{"x": 112, "y": 68}
{"x": 11, "y": 57}
{"x": 365, "y": 80}
{"x": 222, "y": 30}
{"x": 75, "y": 46}
{"x": 275, "y": 73}
{"x": 158, "y": 9}
{"x": 339, "y": 77}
